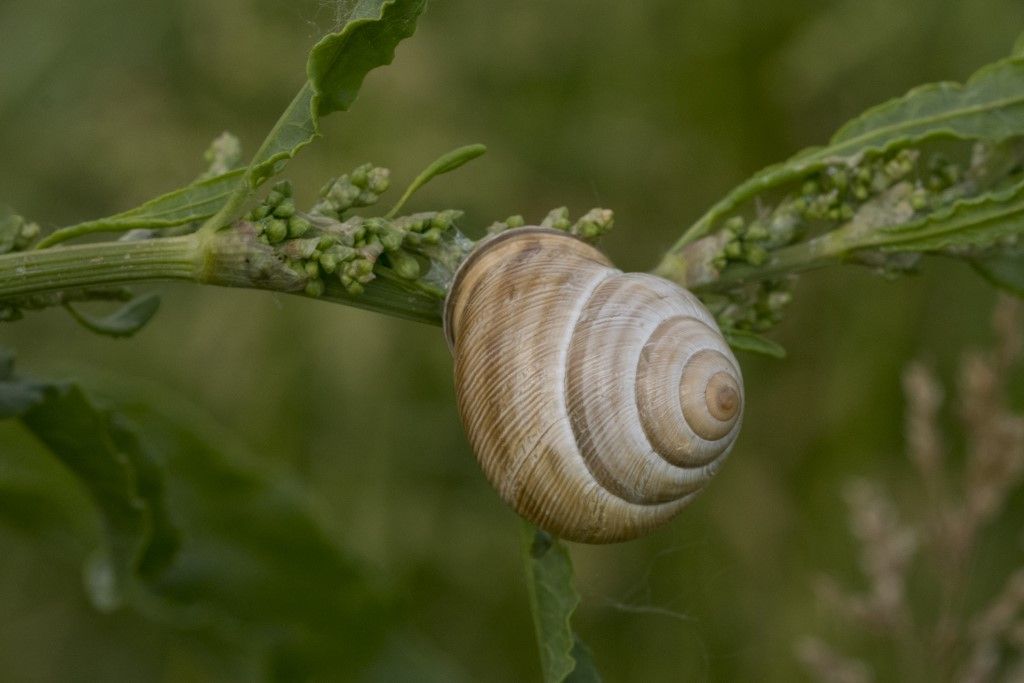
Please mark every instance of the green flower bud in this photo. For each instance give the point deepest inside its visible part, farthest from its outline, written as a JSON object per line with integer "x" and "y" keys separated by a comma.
{"x": 360, "y": 175}
{"x": 286, "y": 209}
{"x": 378, "y": 181}
{"x": 315, "y": 288}
{"x": 276, "y": 231}
{"x": 441, "y": 221}
{"x": 298, "y": 226}
{"x": 261, "y": 211}
{"x": 312, "y": 268}
{"x": 735, "y": 225}
{"x": 328, "y": 262}
{"x": 342, "y": 253}
{"x": 274, "y": 198}
{"x": 284, "y": 187}
{"x": 839, "y": 179}
{"x": 29, "y": 231}
{"x": 516, "y": 221}
{"x": 756, "y": 255}
{"x": 405, "y": 265}
{"x": 557, "y": 219}
{"x": 390, "y": 237}
{"x": 734, "y": 249}
{"x": 756, "y": 232}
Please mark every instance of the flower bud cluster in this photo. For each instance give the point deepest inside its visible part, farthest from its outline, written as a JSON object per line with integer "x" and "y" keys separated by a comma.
{"x": 826, "y": 200}
{"x": 590, "y": 226}
{"x": 361, "y": 187}
{"x": 16, "y": 234}
{"x": 753, "y": 307}
{"x": 889, "y": 189}
{"x": 319, "y": 245}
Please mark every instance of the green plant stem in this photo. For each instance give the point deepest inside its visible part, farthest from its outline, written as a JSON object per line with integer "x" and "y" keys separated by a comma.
{"x": 826, "y": 250}
{"x": 104, "y": 263}
{"x": 229, "y": 258}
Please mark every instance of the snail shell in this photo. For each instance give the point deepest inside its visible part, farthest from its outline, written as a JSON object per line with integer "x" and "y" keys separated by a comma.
{"x": 599, "y": 403}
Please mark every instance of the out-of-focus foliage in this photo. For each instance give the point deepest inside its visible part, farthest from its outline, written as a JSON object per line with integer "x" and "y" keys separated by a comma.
{"x": 181, "y": 545}
{"x": 654, "y": 109}
{"x": 929, "y": 553}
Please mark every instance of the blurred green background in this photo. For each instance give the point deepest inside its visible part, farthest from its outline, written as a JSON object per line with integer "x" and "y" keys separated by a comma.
{"x": 653, "y": 109}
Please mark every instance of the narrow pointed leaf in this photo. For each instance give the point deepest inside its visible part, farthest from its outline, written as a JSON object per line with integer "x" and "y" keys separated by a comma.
{"x": 443, "y": 164}
{"x": 124, "y": 322}
{"x": 754, "y": 343}
{"x": 193, "y": 203}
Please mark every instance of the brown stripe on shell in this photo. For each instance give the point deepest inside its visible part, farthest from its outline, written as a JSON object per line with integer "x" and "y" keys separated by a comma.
{"x": 670, "y": 392}
{"x": 512, "y": 319}
{"x": 696, "y": 382}
{"x": 604, "y": 390}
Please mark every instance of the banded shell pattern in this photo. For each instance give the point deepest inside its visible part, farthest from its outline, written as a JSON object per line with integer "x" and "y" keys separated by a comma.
{"x": 598, "y": 403}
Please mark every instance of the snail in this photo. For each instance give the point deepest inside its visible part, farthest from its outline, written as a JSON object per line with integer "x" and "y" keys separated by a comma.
{"x": 598, "y": 403}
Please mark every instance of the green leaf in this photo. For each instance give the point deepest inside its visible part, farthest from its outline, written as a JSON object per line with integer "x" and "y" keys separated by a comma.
{"x": 989, "y": 106}
{"x": 124, "y": 322}
{"x": 246, "y": 562}
{"x": 553, "y": 599}
{"x": 1005, "y": 271}
{"x": 105, "y": 455}
{"x": 340, "y": 61}
{"x": 1018, "y": 46}
{"x": 335, "y": 69}
{"x": 192, "y": 203}
{"x": 586, "y": 669}
{"x": 256, "y": 560}
{"x": 297, "y": 127}
{"x": 754, "y": 343}
{"x": 974, "y": 222}
{"x": 443, "y": 164}
{"x": 188, "y": 204}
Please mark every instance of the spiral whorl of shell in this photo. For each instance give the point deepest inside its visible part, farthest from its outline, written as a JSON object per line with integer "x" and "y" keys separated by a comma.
{"x": 597, "y": 402}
